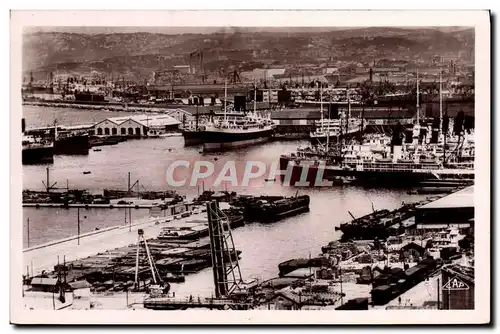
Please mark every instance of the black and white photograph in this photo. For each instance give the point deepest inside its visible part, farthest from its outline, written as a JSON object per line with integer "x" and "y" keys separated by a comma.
{"x": 331, "y": 164}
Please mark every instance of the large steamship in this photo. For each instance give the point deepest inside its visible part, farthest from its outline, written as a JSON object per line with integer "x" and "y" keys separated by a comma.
{"x": 233, "y": 129}
{"x": 398, "y": 161}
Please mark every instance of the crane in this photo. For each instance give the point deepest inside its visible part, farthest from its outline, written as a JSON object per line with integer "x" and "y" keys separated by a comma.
{"x": 158, "y": 286}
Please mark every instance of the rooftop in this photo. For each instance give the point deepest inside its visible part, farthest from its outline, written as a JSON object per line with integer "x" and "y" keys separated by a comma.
{"x": 147, "y": 120}
{"x": 465, "y": 273}
{"x": 461, "y": 199}
{"x": 43, "y": 281}
{"x": 296, "y": 114}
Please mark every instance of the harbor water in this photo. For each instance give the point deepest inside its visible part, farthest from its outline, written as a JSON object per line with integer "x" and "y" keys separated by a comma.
{"x": 263, "y": 246}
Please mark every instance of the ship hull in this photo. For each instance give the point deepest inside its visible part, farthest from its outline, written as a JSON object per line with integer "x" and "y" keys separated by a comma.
{"x": 309, "y": 174}
{"x": 192, "y": 138}
{"x": 220, "y": 141}
{"x": 39, "y": 155}
{"x": 72, "y": 145}
{"x": 290, "y": 207}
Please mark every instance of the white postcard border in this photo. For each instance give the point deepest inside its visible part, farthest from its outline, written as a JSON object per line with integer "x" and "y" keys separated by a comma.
{"x": 478, "y": 19}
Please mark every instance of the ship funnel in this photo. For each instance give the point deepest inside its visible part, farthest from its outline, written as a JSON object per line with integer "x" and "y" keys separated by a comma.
{"x": 23, "y": 125}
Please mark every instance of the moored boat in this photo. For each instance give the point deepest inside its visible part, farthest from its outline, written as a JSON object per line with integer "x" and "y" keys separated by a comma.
{"x": 232, "y": 130}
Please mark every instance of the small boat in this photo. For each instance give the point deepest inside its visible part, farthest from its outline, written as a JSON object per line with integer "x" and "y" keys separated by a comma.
{"x": 174, "y": 278}
{"x": 86, "y": 172}
{"x": 96, "y": 150}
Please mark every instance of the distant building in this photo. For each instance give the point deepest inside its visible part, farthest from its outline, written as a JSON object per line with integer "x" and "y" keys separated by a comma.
{"x": 186, "y": 69}
{"x": 136, "y": 126}
{"x": 330, "y": 70}
{"x": 427, "y": 70}
{"x": 82, "y": 295}
{"x": 270, "y": 96}
{"x": 447, "y": 59}
{"x": 386, "y": 69}
{"x": 362, "y": 70}
{"x": 181, "y": 115}
{"x": 44, "y": 284}
{"x": 263, "y": 73}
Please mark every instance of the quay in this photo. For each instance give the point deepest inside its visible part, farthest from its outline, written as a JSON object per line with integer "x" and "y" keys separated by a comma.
{"x": 346, "y": 275}
{"x": 170, "y": 303}
{"x": 406, "y": 270}
{"x": 88, "y": 206}
{"x": 46, "y": 256}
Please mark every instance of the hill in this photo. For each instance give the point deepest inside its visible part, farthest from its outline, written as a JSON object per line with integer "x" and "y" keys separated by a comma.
{"x": 137, "y": 54}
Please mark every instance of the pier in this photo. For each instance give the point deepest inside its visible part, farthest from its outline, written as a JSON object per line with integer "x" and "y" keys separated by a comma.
{"x": 46, "y": 256}
{"x": 88, "y": 206}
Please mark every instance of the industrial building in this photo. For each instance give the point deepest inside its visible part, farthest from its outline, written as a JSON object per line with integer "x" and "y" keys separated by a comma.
{"x": 455, "y": 210}
{"x": 296, "y": 121}
{"x": 137, "y": 125}
{"x": 457, "y": 287}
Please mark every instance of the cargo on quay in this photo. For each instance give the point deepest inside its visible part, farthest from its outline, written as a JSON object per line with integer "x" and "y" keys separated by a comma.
{"x": 402, "y": 270}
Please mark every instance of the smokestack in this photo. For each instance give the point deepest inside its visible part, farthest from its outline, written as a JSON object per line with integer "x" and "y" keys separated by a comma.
{"x": 23, "y": 125}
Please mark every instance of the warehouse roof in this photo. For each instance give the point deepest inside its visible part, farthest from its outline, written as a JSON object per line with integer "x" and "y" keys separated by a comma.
{"x": 461, "y": 199}
{"x": 80, "y": 285}
{"x": 147, "y": 120}
{"x": 43, "y": 281}
{"x": 296, "y": 114}
{"x": 465, "y": 273}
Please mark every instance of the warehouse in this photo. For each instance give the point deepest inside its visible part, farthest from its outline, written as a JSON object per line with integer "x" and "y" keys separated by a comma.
{"x": 454, "y": 210}
{"x": 295, "y": 121}
{"x": 137, "y": 125}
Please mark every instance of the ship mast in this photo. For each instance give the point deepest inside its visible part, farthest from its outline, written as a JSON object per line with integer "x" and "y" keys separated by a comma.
{"x": 328, "y": 126}
{"x": 418, "y": 102}
{"x": 321, "y": 101}
{"x": 348, "y": 104}
{"x": 254, "y": 97}
{"x": 348, "y": 116}
{"x": 55, "y": 130}
{"x": 225, "y": 100}
{"x": 440, "y": 106}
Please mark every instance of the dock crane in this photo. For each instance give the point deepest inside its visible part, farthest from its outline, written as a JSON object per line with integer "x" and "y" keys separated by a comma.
{"x": 158, "y": 286}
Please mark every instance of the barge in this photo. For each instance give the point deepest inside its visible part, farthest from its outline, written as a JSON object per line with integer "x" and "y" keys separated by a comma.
{"x": 379, "y": 224}
{"x": 271, "y": 208}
